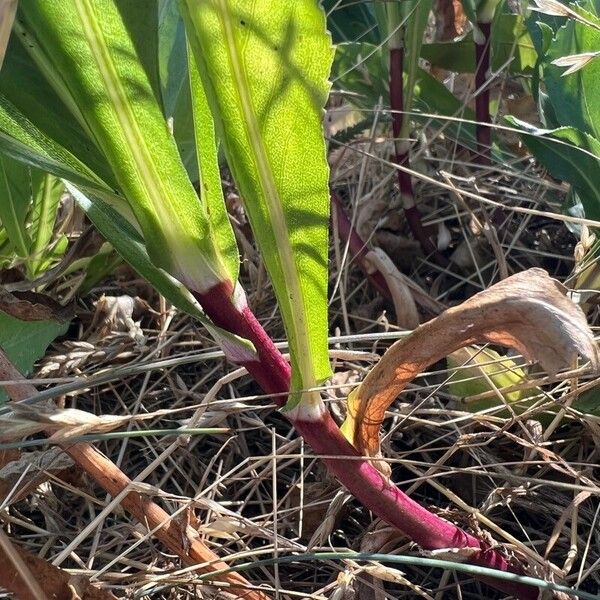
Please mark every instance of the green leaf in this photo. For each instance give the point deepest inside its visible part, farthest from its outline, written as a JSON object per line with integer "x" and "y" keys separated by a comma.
{"x": 141, "y": 20}
{"x": 416, "y": 14}
{"x": 15, "y": 200}
{"x": 98, "y": 267}
{"x": 361, "y": 72}
{"x": 575, "y": 97}
{"x": 23, "y": 141}
{"x": 434, "y": 98}
{"x": 209, "y": 183}
{"x": 132, "y": 247}
{"x": 46, "y": 193}
{"x": 570, "y": 155}
{"x": 349, "y": 20}
{"x": 265, "y": 68}
{"x": 91, "y": 50}
{"x": 481, "y": 370}
{"x": 588, "y": 402}
{"x": 26, "y": 341}
{"x": 24, "y": 85}
{"x": 510, "y": 43}
{"x": 175, "y": 87}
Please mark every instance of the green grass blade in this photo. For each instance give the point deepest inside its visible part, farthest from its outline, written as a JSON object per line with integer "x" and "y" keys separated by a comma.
{"x": 24, "y": 85}
{"x": 46, "y": 192}
{"x": 265, "y": 68}
{"x": 15, "y": 200}
{"x": 23, "y": 141}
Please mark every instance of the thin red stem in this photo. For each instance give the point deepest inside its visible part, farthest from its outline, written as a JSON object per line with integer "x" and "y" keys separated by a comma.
{"x": 272, "y": 373}
{"x": 413, "y": 216}
{"x": 388, "y": 502}
{"x": 482, "y": 99}
{"x": 358, "y": 248}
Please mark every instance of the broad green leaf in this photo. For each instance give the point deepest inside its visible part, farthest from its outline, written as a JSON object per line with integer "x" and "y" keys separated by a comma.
{"x": 588, "y": 402}
{"x": 15, "y": 201}
{"x": 570, "y": 155}
{"x": 265, "y": 66}
{"x": 481, "y": 370}
{"x": 511, "y": 43}
{"x": 132, "y": 247}
{"x": 46, "y": 193}
{"x": 575, "y": 97}
{"x": 94, "y": 56}
{"x": 26, "y": 341}
{"x": 141, "y": 19}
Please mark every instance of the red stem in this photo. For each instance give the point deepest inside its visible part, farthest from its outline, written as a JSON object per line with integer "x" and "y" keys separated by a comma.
{"x": 272, "y": 373}
{"x": 388, "y": 502}
{"x": 482, "y": 100}
{"x": 413, "y": 216}
{"x": 358, "y": 248}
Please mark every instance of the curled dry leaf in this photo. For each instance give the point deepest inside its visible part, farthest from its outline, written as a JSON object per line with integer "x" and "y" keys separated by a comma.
{"x": 529, "y": 312}
{"x": 29, "y": 470}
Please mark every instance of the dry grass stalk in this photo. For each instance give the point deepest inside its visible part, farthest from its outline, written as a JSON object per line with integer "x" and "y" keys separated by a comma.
{"x": 178, "y": 537}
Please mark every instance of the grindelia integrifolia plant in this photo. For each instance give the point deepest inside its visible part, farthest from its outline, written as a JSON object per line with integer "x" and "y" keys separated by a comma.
{"x": 90, "y": 92}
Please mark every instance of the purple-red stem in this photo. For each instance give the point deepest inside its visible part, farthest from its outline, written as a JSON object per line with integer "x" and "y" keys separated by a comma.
{"x": 413, "y": 216}
{"x": 358, "y": 248}
{"x": 271, "y": 371}
{"x": 482, "y": 99}
{"x": 358, "y": 475}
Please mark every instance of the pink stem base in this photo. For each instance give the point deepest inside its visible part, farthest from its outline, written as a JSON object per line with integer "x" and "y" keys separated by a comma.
{"x": 271, "y": 371}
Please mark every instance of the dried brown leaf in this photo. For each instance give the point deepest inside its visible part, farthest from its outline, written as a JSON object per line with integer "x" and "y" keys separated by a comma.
{"x": 31, "y": 306}
{"x": 528, "y": 312}
{"x": 575, "y": 62}
{"x": 8, "y": 9}
{"x": 407, "y": 315}
{"x": 25, "y": 420}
